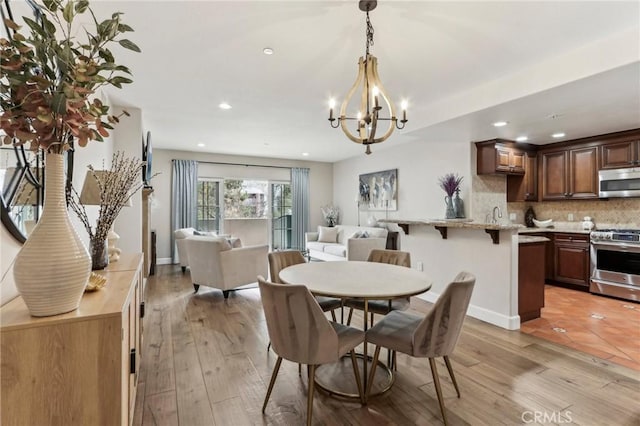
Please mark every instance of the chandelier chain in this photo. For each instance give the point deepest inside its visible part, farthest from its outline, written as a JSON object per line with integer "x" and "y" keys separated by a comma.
{"x": 369, "y": 33}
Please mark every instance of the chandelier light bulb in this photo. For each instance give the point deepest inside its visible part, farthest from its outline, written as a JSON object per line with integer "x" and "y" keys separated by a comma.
{"x": 332, "y": 103}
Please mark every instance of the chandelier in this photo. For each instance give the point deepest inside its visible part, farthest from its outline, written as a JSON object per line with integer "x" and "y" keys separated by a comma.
{"x": 372, "y": 98}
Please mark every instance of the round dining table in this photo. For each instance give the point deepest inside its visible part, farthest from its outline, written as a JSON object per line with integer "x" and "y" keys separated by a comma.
{"x": 357, "y": 280}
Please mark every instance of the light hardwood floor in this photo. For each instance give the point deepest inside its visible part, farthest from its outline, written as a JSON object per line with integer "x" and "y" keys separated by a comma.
{"x": 205, "y": 362}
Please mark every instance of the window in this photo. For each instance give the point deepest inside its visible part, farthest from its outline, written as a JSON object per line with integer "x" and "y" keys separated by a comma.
{"x": 245, "y": 199}
{"x": 281, "y": 206}
{"x": 208, "y": 205}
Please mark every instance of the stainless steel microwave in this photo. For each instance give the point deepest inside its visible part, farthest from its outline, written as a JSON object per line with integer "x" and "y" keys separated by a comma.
{"x": 619, "y": 183}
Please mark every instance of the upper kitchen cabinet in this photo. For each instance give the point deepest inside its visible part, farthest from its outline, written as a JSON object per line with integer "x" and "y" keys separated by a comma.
{"x": 571, "y": 173}
{"x": 500, "y": 156}
{"x": 620, "y": 154}
{"x": 524, "y": 187}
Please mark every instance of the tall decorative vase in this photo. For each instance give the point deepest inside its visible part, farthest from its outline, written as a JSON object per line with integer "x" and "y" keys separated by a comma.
{"x": 52, "y": 269}
{"x": 458, "y": 205}
{"x": 450, "y": 212}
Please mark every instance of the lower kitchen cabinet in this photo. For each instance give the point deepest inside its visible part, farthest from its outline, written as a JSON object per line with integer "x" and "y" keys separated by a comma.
{"x": 571, "y": 259}
{"x": 78, "y": 368}
{"x": 531, "y": 256}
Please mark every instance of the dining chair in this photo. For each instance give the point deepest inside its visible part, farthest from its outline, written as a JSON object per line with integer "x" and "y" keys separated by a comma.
{"x": 300, "y": 332}
{"x": 431, "y": 336}
{"x": 278, "y": 260}
{"x": 383, "y": 307}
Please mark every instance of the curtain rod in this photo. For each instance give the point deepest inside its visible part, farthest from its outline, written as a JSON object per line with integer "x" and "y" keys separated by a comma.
{"x": 241, "y": 164}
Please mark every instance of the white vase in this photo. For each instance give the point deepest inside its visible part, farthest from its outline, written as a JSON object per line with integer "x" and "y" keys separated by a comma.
{"x": 52, "y": 269}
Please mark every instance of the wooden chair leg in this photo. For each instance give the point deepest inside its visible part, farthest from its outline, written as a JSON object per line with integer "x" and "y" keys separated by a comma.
{"x": 333, "y": 315}
{"x": 311, "y": 386}
{"x": 300, "y": 370}
{"x": 453, "y": 377}
{"x": 356, "y": 372}
{"x": 436, "y": 382}
{"x": 349, "y": 317}
{"x": 276, "y": 368}
{"x": 372, "y": 373}
{"x": 371, "y": 322}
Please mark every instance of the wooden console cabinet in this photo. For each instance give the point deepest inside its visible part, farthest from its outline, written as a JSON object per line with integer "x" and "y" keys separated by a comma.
{"x": 78, "y": 368}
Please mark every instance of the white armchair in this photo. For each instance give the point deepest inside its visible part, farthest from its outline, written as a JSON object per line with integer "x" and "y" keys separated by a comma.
{"x": 213, "y": 263}
{"x": 181, "y": 236}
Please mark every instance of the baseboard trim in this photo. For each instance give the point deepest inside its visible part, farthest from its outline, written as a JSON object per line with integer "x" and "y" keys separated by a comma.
{"x": 492, "y": 317}
{"x": 163, "y": 261}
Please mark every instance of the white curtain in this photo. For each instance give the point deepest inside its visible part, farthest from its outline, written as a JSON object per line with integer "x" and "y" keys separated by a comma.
{"x": 300, "y": 198}
{"x": 184, "y": 198}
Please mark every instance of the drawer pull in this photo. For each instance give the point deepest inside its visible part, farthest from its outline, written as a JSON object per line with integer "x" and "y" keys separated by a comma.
{"x": 142, "y": 310}
{"x": 132, "y": 361}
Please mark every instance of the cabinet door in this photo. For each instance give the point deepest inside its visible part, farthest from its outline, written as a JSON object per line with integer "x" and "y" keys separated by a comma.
{"x": 503, "y": 159}
{"x": 517, "y": 161}
{"x": 583, "y": 177}
{"x": 531, "y": 177}
{"x": 524, "y": 187}
{"x": 619, "y": 155}
{"x": 571, "y": 263}
{"x": 554, "y": 175}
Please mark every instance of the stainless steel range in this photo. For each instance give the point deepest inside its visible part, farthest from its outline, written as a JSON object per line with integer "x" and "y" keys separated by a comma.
{"x": 615, "y": 263}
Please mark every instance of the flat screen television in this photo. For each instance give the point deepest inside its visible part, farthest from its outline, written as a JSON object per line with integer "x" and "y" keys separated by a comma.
{"x": 147, "y": 156}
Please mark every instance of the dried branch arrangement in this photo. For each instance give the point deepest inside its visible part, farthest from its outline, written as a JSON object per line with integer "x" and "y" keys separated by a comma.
{"x": 116, "y": 186}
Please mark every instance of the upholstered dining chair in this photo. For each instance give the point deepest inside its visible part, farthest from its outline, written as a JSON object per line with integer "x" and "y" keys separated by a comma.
{"x": 383, "y": 307}
{"x": 433, "y": 336}
{"x": 278, "y": 260}
{"x": 300, "y": 332}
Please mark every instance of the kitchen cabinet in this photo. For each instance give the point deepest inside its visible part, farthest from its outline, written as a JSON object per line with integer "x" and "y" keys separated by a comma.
{"x": 571, "y": 259}
{"x": 620, "y": 154}
{"x": 570, "y": 173}
{"x": 524, "y": 187}
{"x": 531, "y": 279}
{"x": 78, "y": 368}
{"x": 499, "y": 156}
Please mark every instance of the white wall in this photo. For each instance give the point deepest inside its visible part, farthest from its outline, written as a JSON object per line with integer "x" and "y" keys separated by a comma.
{"x": 420, "y": 197}
{"x": 320, "y": 185}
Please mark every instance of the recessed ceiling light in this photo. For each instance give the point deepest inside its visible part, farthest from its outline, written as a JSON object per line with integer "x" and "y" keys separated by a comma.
{"x": 267, "y": 51}
{"x": 522, "y": 139}
{"x": 200, "y": 144}
{"x": 558, "y": 135}
{"x": 500, "y": 123}
{"x": 305, "y": 154}
{"x": 224, "y": 105}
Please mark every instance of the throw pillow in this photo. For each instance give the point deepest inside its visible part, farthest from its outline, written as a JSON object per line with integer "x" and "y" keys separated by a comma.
{"x": 364, "y": 234}
{"x": 355, "y": 235}
{"x": 327, "y": 235}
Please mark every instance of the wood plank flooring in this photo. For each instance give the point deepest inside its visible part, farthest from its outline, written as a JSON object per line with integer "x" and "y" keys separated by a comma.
{"x": 205, "y": 362}
{"x": 601, "y": 326}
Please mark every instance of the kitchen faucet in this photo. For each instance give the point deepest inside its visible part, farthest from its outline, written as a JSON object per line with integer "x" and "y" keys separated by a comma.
{"x": 494, "y": 218}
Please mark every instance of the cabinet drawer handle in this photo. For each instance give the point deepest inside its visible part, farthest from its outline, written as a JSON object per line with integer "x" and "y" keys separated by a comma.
{"x": 132, "y": 361}
{"x": 142, "y": 310}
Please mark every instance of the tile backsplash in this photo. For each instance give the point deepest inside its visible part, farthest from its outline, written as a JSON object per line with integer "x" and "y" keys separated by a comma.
{"x": 615, "y": 212}
{"x": 490, "y": 191}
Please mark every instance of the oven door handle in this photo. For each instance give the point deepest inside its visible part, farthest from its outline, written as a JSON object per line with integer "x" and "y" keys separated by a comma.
{"x": 618, "y": 247}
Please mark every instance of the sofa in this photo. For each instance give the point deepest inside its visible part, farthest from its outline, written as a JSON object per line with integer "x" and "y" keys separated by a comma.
{"x": 344, "y": 242}
{"x": 180, "y": 235}
{"x": 214, "y": 263}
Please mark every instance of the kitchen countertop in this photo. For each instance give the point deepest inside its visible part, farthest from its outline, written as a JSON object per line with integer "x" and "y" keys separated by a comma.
{"x": 527, "y": 239}
{"x": 454, "y": 223}
{"x": 553, "y": 229}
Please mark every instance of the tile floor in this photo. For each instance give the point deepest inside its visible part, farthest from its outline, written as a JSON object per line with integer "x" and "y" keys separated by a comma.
{"x": 601, "y": 326}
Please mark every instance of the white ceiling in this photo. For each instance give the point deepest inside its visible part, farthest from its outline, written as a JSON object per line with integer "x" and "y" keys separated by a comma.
{"x": 461, "y": 65}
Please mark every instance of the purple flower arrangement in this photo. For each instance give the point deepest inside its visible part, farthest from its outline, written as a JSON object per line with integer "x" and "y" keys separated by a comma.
{"x": 450, "y": 183}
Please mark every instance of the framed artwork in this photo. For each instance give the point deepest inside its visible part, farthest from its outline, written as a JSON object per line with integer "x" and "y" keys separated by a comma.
{"x": 379, "y": 190}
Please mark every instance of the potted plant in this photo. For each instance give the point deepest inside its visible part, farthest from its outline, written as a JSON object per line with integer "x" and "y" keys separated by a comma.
{"x": 48, "y": 100}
